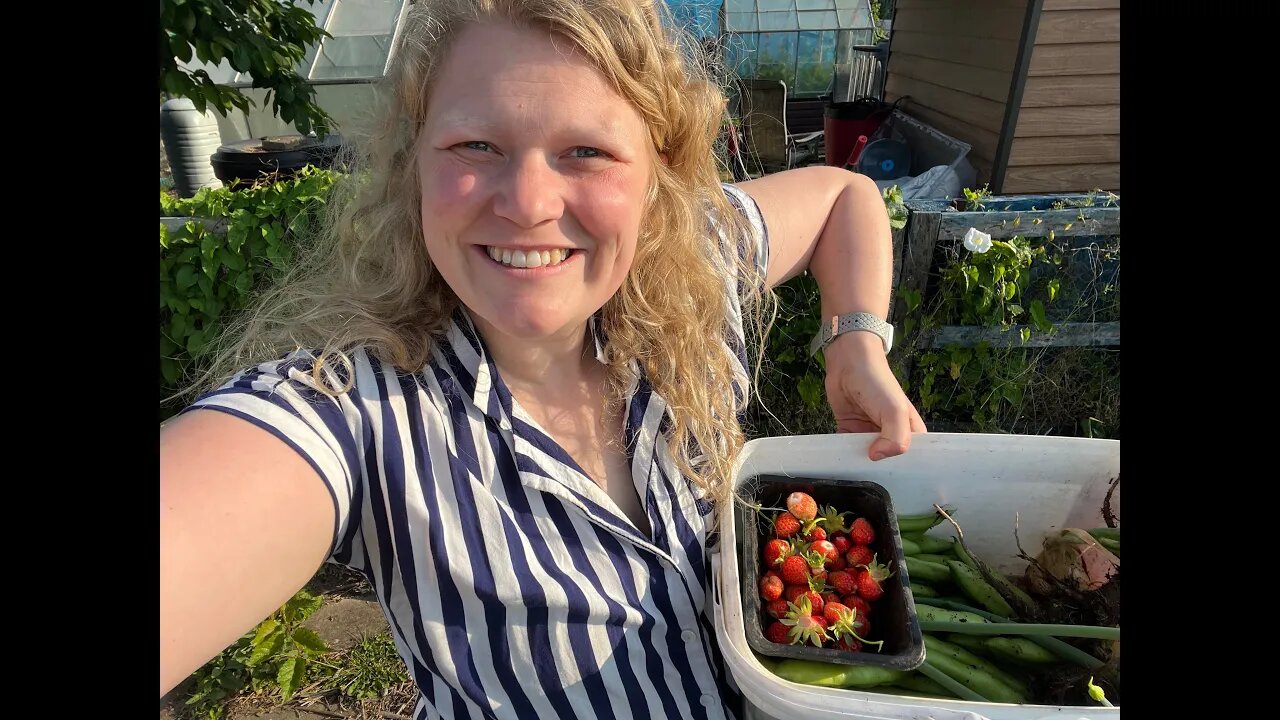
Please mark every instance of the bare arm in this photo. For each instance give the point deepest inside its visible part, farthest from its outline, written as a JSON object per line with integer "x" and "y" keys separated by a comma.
{"x": 834, "y": 223}
{"x": 245, "y": 521}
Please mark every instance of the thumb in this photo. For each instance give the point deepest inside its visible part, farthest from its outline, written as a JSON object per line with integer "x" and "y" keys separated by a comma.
{"x": 895, "y": 435}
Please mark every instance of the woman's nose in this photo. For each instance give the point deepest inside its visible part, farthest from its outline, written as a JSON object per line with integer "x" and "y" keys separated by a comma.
{"x": 530, "y": 191}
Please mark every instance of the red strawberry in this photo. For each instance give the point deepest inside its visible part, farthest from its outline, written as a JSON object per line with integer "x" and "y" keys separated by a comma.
{"x": 827, "y": 550}
{"x": 834, "y": 611}
{"x": 833, "y": 521}
{"x": 804, "y": 627}
{"x": 856, "y": 603}
{"x": 822, "y": 621}
{"x": 773, "y": 573}
{"x": 785, "y": 525}
{"x": 839, "y": 563}
{"x": 846, "y": 623}
{"x": 869, "y": 581}
{"x": 848, "y": 644}
{"x": 861, "y": 533}
{"x": 841, "y": 542}
{"x": 815, "y": 602}
{"x": 777, "y": 632}
{"x": 830, "y": 597}
{"x": 775, "y": 551}
{"x": 795, "y": 570}
{"x": 859, "y": 555}
{"x": 776, "y": 609}
{"x": 843, "y": 582}
{"x": 793, "y": 593}
{"x": 802, "y": 506}
{"x": 770, "y": 588}
{"x": 815, "y": 534}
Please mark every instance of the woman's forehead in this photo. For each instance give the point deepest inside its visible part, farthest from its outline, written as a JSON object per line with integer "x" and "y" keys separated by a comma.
{"x": 531, "y": 77}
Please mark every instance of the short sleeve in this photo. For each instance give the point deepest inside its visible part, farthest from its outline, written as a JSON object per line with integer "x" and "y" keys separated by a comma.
{"x": 754, "y": 246}
{"x": 282, "y": 398}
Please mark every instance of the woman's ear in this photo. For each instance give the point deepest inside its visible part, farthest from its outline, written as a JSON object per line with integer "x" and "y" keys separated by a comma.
{"x": 663, "y": 158}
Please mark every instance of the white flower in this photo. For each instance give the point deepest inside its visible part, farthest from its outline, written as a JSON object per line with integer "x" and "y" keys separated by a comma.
{"x": 977, "y": 241}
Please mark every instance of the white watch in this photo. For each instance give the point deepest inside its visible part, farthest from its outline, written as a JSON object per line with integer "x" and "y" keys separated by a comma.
{"x": 841, "y": 324}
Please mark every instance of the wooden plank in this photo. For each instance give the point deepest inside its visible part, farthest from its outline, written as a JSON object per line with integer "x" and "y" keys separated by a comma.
{"x": 984, "y": 113}
{"x": 919, "y": 240}
{"x": 1078, "y": 26}
{"x": 1062, "y": 178}
{"x": 1051, "y": 5}
{"x": 979, "y": 52}
{"x": 1063, "y": 121}
{"x": 987, "y": 5}
{"x": 1078, "y": 150}
{"x": 174, "y": 224}
{"x": 1067, "y": 90}
{"x": 1063, "y": 335}
{"x": 982, "y": 82}
{"x": 1001, "y": 225}
{"x": 1075, "y": 59}
{"x": 960, "y": 19}
{"x": 982, "y": 141}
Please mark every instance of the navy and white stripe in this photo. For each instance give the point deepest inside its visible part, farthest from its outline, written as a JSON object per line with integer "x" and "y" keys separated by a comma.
{"x": 513, "y": 585}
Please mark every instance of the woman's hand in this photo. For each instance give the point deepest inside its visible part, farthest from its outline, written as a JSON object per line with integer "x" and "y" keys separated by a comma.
{"x": 866, "y": 397}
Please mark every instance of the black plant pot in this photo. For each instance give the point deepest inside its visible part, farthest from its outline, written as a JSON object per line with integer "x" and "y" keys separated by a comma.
{"x": 240, "y": 164}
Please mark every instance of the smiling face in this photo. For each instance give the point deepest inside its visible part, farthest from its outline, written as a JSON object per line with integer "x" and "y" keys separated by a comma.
{"x": 534, "y": 172}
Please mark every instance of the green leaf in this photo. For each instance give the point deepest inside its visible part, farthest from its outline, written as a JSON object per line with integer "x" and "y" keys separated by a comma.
{"x": 1054, "y": 284}
{"x": 209, "y": 244}
{"x": 290, "y": 676}
{"x": 301, "y": 605}
{"x": 209, "y": 264}
{"x": 810, "y": 388}
{"x": 1026, "y": 335}
{"x": 271, "y": 646}
{"x": 309, "y": 641}
{"x": 267, "y": 627}
{"x": 1010, "y": 289}
{"x": 186, "y": 277}
{"x": 230, "y": 259}
{"x": 170, "y": 370}
{"x": 1037, "y": 316}
{"x": 195, "y": 343}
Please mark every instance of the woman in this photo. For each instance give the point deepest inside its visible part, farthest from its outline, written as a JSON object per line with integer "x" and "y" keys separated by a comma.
{"x": 525, "y": 357}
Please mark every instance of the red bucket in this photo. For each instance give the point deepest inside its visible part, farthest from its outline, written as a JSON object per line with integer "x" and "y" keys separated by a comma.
{"x": 842, "y": 123}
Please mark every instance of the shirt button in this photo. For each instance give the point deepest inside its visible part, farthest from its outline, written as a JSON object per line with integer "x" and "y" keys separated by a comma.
{"x": 688, "y": 636}
{"x": 708, "y": 700}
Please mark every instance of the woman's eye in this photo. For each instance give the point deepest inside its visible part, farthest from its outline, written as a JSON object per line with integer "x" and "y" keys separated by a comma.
{"x": 477, "y": 145}
{"x": 587, "y": 152}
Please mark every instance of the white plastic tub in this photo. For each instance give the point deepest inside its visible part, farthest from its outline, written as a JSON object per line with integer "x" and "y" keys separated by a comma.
{"x": 1051, "y": 482}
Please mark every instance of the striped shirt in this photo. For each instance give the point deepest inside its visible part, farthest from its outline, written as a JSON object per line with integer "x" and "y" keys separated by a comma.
{"x": 513, "y": 585}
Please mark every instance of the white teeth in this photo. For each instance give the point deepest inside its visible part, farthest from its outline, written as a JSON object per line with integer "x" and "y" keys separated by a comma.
{"x": 531, "y": 259}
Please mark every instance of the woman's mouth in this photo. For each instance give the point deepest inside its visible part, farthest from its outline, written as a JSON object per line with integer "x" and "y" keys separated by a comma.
{"x": 529, "y": 258}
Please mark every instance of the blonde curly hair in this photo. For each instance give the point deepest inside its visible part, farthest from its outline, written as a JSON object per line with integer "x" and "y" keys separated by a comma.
{"x": 368, "y": 281}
